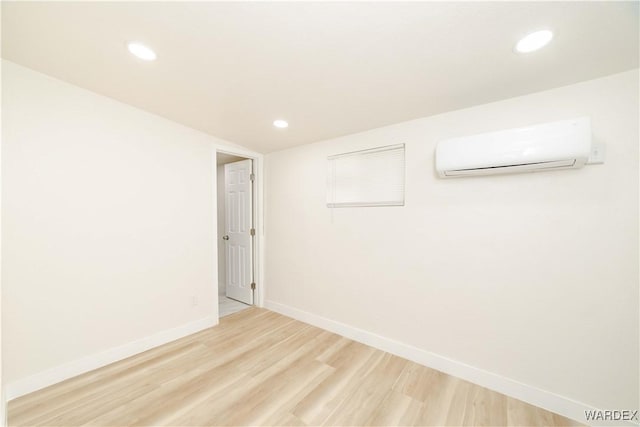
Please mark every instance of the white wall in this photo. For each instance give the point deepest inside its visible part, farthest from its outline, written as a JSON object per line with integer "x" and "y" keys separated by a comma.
{"x": 108, "y": 229}
{"x": 533, "y": 277}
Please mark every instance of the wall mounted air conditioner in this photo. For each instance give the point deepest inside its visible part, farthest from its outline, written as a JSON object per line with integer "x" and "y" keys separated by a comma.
{"x": 559, "y": 145}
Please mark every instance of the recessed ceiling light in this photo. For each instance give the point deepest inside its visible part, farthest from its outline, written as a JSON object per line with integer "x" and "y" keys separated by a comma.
{"x": 142, "y": 51}
{"x": 534, "y": 41}
{"x": 280, "y": 124}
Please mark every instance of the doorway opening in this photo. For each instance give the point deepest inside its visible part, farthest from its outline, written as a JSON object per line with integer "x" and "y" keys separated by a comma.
{"x": 236, "y": 226}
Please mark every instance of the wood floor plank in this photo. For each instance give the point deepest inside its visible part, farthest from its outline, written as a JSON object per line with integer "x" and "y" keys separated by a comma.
{"x": 92, "y": 380}
{"x": 261, "y": 368}
{"x": 271, "y": 395}
{"x": 420, "y": 382}
{"x": 396, "y": 409}
{"x": 357, "y": 408}
{"x": 488, "y": 407}
{"x": 105, "y": 393}
{"x": 207, "y": 377}
{"x": 436, "y": 405}
{"x": 316, "y": 407}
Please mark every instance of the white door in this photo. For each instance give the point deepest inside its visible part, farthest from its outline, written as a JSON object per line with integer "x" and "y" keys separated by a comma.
{"x": 238, "y": 223}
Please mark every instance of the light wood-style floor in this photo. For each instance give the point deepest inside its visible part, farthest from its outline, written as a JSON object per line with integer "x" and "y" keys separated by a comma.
{"x": 260, "y": 368}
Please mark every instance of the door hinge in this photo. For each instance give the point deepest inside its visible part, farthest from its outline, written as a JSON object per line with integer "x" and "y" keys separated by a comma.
{"x": 253, "y": 285}
{"x": 252, "y": 177}
{"x": 252, "y": 231}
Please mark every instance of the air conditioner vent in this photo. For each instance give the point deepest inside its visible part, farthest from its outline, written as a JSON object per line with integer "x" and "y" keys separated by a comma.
{"x": 523, "y": 167}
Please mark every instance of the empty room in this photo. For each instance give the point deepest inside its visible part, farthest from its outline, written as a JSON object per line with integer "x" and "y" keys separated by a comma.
{"x": 320, "y": 213}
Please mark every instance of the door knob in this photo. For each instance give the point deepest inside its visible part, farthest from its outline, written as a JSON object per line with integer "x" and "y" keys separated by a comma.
{"x": 225, "y": 237}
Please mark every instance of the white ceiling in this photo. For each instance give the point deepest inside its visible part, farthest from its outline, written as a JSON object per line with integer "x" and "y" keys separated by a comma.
{"x": 329, "y": 68}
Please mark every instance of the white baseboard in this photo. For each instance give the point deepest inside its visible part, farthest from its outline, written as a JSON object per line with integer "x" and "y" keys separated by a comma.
{"x": 527, "y": 393}
{"x": 95, "y": 361}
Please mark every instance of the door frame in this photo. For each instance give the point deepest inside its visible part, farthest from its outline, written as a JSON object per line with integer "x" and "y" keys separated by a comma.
{"x": 258, "y": 218}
